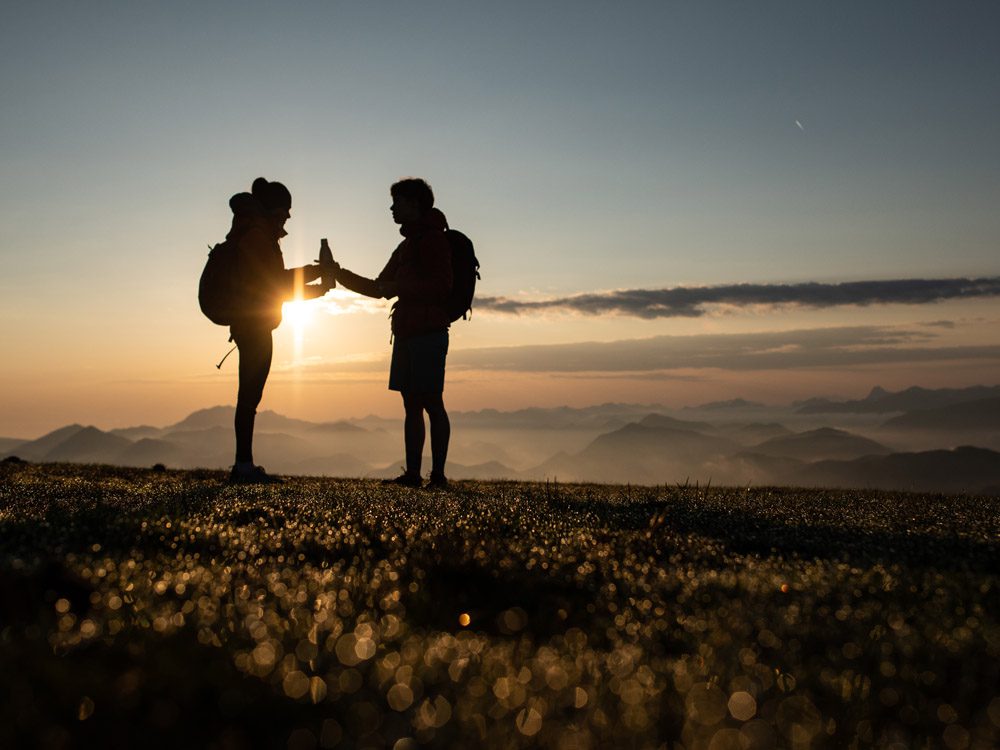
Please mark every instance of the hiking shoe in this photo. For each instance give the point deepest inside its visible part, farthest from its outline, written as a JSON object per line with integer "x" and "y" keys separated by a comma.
{"x": 405, "y": 480}
{"x": 437, "y": 482}
{"x": 252, "y": 475}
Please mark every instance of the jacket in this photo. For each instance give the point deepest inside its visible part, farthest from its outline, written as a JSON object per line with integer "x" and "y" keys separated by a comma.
{"x": 421, "y": 267}
{"x": 264, "y": 282}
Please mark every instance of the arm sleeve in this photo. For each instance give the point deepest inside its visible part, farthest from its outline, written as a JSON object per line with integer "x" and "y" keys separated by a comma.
{"x": 366, "y": 286}
{"x": 305, "y": 274}
{"x": 266, "y": 272}
{"x": 262, "y": 267}
{"x": 294, "y": 282}
{"x": 435, "y": 282}
{"x": 312, "y": 291}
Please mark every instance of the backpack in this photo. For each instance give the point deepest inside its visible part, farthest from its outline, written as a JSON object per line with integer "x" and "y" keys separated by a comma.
{"x": 464, "y": 273}
{"x": 218, "y": 292}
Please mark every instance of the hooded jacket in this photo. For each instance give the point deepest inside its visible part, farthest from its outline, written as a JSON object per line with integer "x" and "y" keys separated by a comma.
{"x": 421, "y": 267}
{"x": 263, "y": 281}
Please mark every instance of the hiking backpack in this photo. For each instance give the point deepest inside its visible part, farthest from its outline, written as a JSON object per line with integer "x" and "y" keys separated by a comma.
{"x": 218, "y": 294}
{"x": 464, "y": 273}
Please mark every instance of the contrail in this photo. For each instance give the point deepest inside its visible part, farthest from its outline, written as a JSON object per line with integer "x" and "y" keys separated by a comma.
{"x": 693, "y": 302}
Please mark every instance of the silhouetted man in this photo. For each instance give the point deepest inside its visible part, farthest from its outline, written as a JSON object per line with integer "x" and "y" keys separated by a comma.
{"x": 419, "y": 275}
{"x": 258, "y": 223}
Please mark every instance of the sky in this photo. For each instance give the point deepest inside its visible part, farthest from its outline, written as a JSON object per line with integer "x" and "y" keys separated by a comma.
{"x": 672, "y": 202}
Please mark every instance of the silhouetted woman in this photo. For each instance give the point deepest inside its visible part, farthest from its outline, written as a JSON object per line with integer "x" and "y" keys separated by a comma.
{"x": 258, "y": 223}
{"x": 419, "y": 274}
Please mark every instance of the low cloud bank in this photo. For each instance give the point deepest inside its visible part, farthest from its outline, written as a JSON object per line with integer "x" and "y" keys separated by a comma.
{"x": 824, "y": 347}
{"x": 846, "y": 346}
{"x": 693, "y": 302}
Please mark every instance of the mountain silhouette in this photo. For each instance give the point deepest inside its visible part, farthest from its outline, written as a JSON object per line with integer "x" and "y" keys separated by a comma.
{"x": 477, "y": 452}
{"x": 213, "y": 416}
{"x": 973, "y": 415}
{"x": 638, "y": 453}
{"x": 747, "y": 467}
{"x": 734, "y": 403}
{"x": 212, "y": 446}
{"x": 757, "y": 432}
{"x": 336, "y": 427}
{"x": 964, "y": 469}
{"x": 88, "y": 445}
{"x": 881, "y": 401}
{"x": 627, "y": 443}
{"x": 820, "y": 444}
{"x": 38, "y": 449}
{"x": 138, "y": 432}
{"x": 660, "y": 421}
{"x": 149, "y": 451}
{"x": 10, "y": 445}
{"x": 599, "y": 417}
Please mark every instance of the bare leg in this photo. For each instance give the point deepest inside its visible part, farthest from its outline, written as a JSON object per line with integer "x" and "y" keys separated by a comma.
{"x": 413, "y": 431}
{"x": 255, "y": 362}
{"x": 440, "y": 431}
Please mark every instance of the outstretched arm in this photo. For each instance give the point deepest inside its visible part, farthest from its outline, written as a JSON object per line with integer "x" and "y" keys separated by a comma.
{"x": 356, "y": 283}
{"x": 366, "y": 286}
{"x": 305, "y": 274}
{"x": 300, "y": 278}
{"x": 262, "y": 264}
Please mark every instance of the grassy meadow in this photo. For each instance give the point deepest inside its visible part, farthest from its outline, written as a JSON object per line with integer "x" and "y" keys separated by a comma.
{"x": 168, "y": 609}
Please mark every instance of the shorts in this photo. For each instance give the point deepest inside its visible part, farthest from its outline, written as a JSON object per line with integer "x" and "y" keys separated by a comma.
{"x": 418, "y": 363}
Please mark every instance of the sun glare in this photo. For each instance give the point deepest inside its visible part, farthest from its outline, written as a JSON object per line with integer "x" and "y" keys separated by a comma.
{"x": 298, "y": 314}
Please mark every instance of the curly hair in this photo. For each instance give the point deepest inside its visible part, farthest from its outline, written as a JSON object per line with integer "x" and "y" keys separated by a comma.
{"x": 415, "y": 189}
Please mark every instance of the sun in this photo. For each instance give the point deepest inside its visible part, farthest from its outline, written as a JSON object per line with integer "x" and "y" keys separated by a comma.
{"x": 298, "y": 314}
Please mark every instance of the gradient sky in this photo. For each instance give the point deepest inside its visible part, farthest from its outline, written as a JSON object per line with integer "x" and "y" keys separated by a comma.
{"x": 589, "y": 148}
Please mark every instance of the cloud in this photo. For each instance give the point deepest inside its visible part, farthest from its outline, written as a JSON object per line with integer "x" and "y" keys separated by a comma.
{"x": 809, "y": 348}
{"x": 693, "y": 302}
{"x": 678, "y": 356}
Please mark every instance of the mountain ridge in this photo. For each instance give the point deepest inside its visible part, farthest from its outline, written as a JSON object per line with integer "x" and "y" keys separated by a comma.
{"x": 982, "y": 414}
{"x": 625, "y": 443}
{"x": 915, "y": 398}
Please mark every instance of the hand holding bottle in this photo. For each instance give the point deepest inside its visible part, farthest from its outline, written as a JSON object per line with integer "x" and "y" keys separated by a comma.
{"x": 328, "y": 265}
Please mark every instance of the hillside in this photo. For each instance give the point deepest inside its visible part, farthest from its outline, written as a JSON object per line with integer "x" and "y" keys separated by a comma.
{"x": 8, "y": 445}
{"x": 732, "y": 444}
{"x": 38, "y": 449}
{"x": 977, "y": 415}
{"x": 757, "y": 432}
{"x": 964, "y": 469}
{"x": 824, "y": 443}
{"x": 637, "y": 453}
{"x": 168, "y": 609}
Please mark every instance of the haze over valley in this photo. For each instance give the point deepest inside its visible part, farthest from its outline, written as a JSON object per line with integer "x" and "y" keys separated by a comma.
{"x": 944, "y": 440}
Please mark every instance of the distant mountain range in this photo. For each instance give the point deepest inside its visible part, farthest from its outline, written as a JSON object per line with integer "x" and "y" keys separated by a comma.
{"x": 964, "y": 469}
{"x": 983, "y": 414}
{"x": 204, "y": 439}
{"x": 734, "y": 403}
{"x": 731, "y": 442}
{"x": 639, "y": 453}
{"x": 819, "y": 444}
{"x": 880, "y": 401}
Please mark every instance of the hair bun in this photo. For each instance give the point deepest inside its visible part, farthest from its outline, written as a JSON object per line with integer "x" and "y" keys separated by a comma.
{"x": 259, "y": 186}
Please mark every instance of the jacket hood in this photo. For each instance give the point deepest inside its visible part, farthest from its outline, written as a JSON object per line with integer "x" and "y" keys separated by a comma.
{"x": 433, "y": 219}
{"x": 436, "y": 220}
